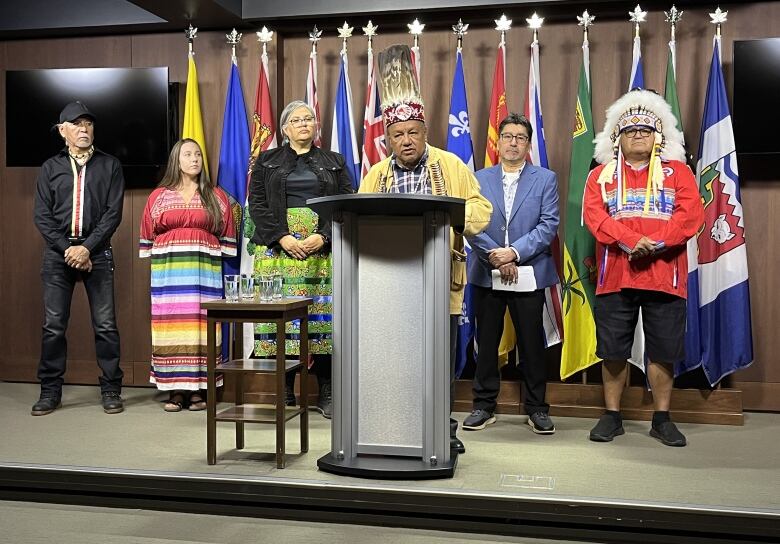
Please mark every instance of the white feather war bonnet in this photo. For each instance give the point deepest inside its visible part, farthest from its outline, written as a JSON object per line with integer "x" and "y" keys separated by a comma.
{"x": 638, "y": 108}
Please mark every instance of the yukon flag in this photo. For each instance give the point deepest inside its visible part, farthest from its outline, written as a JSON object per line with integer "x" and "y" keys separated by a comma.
{"x": 263, "y": 138}
{"x": 720, "y": 280}
{"x": 459, "y": 143}
{"x": 551, "y": 318}
{"x": 637, "y": 79}
{"x": 342, "y": 138}
{"x": 231, "y": 173}
{"x": 193, "y": 121}
{"x": 374, "y": 146}
{"x": 579, "y": 248}
{"x": 498, "y": 109}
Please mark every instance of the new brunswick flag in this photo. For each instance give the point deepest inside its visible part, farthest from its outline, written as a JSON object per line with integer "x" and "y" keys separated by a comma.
{"x": 498, "y": 108}
{"x": 579, "y": 262}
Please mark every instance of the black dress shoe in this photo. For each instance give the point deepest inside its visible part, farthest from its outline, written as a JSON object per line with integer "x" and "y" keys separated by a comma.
{"x": 112, "y": 403}
{"x": 45, "y": 405}
{"x": 289, "y": 396}
{"x": 456, "y": 444}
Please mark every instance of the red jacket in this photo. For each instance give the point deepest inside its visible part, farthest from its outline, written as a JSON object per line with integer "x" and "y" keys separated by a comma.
{"x": 676, "y": 216}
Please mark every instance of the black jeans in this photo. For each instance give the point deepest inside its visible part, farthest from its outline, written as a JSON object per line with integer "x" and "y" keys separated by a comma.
{"x": 59, "y": 279}
{"x": 526, "y": 312}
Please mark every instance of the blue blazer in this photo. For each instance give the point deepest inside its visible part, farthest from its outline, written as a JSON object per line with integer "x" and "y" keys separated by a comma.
{"x": 533, "y": 224}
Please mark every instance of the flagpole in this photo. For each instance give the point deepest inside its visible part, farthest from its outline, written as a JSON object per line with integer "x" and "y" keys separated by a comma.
{"x": 585, "y": 20}
{"x": 416, "y": 29}
{"x": 314, "y": 36}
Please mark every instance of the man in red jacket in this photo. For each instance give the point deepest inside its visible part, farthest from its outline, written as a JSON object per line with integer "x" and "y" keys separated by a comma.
{"x": 642, "y": 205}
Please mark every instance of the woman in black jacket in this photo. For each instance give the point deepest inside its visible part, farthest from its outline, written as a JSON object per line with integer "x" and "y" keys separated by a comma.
{"x": 292, "y": 240}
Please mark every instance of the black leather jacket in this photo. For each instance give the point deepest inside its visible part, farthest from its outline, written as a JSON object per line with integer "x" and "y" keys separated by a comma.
{"x": 268, "y": 197}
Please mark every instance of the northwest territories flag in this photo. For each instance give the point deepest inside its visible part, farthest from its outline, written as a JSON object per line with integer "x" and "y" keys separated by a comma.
{"x": 719, "y": 336}
{"x": 342, "y": 138}
{"x": 459, "y": 143}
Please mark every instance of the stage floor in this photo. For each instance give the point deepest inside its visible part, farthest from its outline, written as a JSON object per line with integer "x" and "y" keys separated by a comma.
{"x": 726, "y": 467}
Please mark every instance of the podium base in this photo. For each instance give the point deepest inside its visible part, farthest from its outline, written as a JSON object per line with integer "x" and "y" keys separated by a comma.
{"x": 381, "y": 467}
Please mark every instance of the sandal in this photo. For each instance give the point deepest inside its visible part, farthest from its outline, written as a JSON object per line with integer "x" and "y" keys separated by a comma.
{"x": 175, "y": 402}
{"x": 197, "y": 402}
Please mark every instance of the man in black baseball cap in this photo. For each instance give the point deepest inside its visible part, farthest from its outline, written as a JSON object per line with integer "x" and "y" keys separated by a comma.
{"x": 78, "y": 206}
{"x": 73, "y": 111}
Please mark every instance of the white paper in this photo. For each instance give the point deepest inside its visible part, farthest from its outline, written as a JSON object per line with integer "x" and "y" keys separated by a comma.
{"x": 525, "y": 280}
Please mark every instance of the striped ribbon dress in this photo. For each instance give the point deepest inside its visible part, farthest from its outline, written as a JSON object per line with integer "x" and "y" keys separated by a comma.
{"x": 186, "y": 270}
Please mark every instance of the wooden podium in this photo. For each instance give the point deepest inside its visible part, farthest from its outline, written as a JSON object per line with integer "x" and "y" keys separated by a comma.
{"x": 391, "y": 334}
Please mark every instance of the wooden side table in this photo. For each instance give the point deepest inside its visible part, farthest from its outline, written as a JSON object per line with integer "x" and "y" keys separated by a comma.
{"x": 279, "y": 312}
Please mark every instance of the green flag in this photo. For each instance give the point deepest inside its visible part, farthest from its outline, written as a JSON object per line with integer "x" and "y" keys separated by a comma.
{"x": 579, "y": 261}
{"x": 670, "y": 90}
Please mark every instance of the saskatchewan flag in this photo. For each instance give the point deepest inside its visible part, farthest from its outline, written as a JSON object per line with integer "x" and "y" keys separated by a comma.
{"x": 579, "y": 262}
{"x": 193, "y": 121}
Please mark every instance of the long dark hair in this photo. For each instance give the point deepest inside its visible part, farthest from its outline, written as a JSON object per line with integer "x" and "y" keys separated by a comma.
{"x": 172, "y": 179}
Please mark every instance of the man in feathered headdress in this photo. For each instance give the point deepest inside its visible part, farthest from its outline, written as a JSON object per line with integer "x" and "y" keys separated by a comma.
{"x": 417, "y": 167}
{"x": 642, "y": 205}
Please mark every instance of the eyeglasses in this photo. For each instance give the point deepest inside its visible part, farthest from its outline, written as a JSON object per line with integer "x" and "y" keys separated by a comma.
{"x": 638, "y": 132}
{"x": 520, "y": 138}
{"x": 300, "y": 121}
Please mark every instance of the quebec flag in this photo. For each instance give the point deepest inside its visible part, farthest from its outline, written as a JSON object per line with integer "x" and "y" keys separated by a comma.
{"x": 459, "y": 143}
{"x": 718, "y": 336}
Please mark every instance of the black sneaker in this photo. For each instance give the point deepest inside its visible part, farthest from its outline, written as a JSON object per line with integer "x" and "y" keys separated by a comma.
{"x": 607, "y": 428}
{"x": 478, "y": 420}
{"x": 289, "y": 396}
{"x": 668, "y": 433}
{"x": 541, "y": 423}
{"x": 325, "y": 400}
{"x": 112, "y": 403}
{"x": 45, "y": 405}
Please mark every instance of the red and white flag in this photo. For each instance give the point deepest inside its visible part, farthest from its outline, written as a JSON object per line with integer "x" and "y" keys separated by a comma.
{"x": 374, "y": 146}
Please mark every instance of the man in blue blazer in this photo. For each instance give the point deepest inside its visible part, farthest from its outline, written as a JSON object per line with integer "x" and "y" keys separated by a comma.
{"x": 523, "y": 225}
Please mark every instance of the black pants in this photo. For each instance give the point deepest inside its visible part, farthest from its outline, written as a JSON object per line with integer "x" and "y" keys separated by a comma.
{"x": 59, "y": 279}
{"x": 321, "y": 367}
{"x": 526, "y": 312}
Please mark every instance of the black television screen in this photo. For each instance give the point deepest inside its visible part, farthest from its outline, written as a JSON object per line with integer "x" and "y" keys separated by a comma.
{"x": 756, "y": 91}
{"x": 130, "y": 104}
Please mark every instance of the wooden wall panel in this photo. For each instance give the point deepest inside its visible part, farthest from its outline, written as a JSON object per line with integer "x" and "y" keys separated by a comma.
{"x": 20, "y": 247}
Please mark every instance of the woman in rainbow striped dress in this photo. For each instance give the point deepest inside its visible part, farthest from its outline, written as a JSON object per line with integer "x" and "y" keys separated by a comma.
{"x": 187, "y": 227}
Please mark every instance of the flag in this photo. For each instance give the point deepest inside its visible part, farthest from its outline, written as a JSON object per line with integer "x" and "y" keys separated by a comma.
{"x": 720, "y": 277}
{"x": 552, "y": 318}
{"x": 193, "y": 121}
{"x": 670, "y": 89}
{"x": 579, "y": 251}
{"x": 637, "y": 80}
{"x": 342, "y": 137}
{"x": 416, "y": 61}
{"x": 498, "y": 109}
{"x": 231, "y": 173}
{"x": 234, "y": 157}
{"x": 374, "y": 146}
{"x": 311, "y": 93}
{"x": 637, "y": 71}
{"x": 263, "y": 138}
{"x": 459, "y": 143}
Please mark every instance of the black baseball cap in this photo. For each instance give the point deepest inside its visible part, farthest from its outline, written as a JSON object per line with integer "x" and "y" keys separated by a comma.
{"x": 73, "y": 111}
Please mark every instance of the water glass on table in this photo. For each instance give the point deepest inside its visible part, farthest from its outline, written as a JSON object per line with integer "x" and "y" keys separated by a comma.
{"x": 247, "y": 287}
{"x": 277, "y": 286}
{"x": 266, "y": 288}
{"x": 231, "y": 287}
